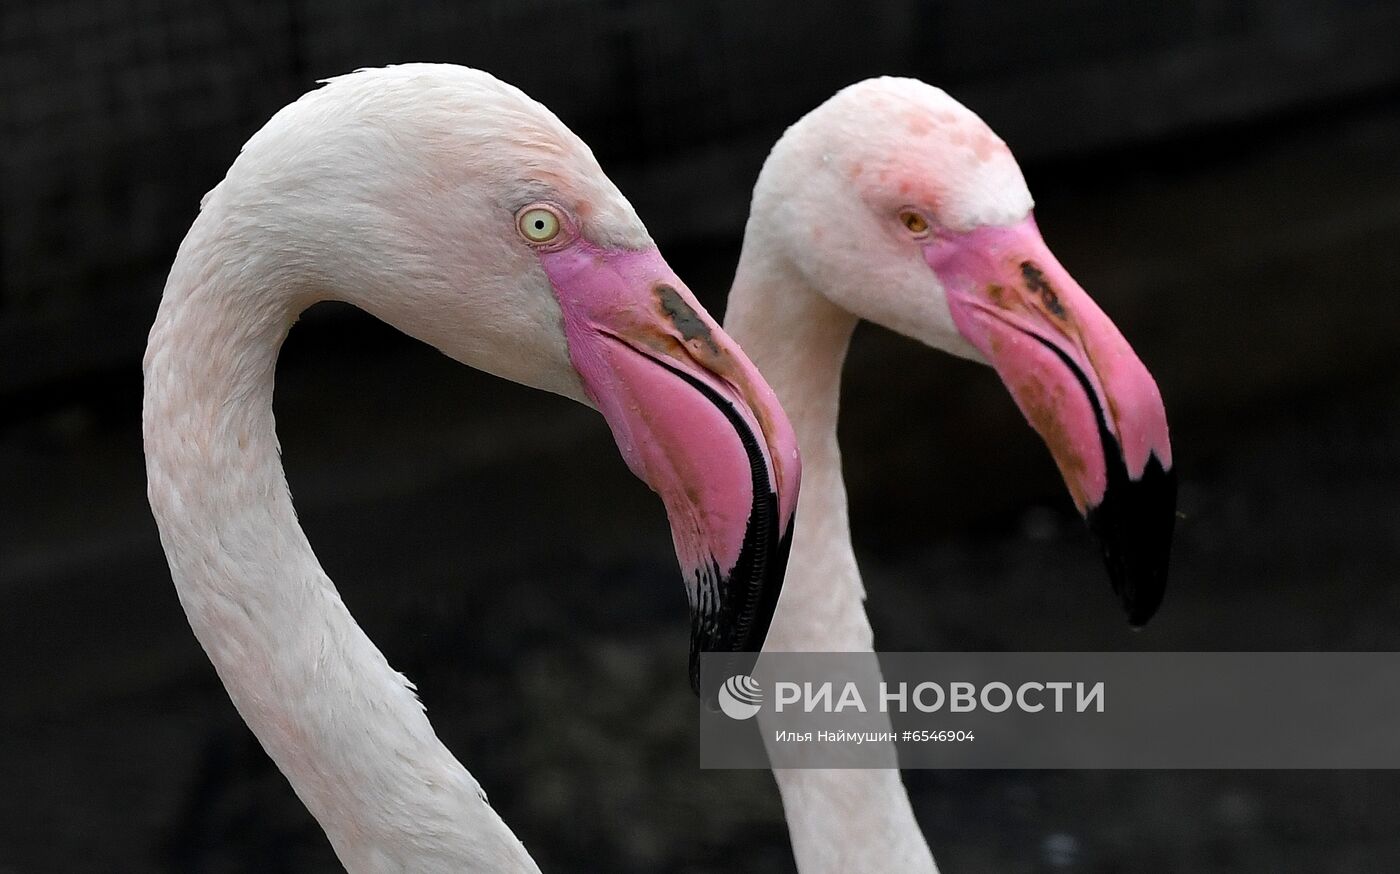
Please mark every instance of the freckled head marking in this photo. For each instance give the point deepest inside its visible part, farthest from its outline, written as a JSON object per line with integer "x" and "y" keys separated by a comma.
{"x": 691, "y": 326}
{"x": 988, "y": 145}
{"x": 1037, "y": 283}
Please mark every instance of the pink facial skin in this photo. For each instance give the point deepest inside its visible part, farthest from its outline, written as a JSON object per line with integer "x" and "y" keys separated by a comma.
{"x": 643, "y": 346}
{"x": 1010, "y": 297}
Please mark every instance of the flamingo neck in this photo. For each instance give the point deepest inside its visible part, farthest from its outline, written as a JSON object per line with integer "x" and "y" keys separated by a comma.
{"x": 798, "y": 339}
{"x": 344, "y": 727}
{"x": 839, "y": 820}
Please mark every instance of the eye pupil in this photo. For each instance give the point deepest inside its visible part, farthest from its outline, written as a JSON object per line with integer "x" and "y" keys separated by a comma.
{"x": 538, "y": 225}
{"x": 914, "y": 222}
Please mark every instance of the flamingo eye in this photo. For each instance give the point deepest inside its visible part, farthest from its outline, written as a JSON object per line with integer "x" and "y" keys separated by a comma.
{"x": 538, "y": 224}
{"x": 914, "y": 222}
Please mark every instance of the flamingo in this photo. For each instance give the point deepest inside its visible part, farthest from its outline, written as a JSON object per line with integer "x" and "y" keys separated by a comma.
{"x": 457, "y": 209}
{"x": 894, "y": 203}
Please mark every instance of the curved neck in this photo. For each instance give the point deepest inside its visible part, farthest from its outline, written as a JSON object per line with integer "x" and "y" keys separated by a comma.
{"x": 839, "y": 820}
{"x": 342, "y": 725}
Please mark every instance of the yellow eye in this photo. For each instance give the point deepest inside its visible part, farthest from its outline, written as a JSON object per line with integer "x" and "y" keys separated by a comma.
{"x": 538, "y": 225}
{"x": 915, "y": 222}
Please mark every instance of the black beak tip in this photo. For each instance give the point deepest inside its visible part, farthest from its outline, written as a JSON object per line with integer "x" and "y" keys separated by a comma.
{"x": 719, "y": 668}
{"x": 1134, "y": 525}
{"x": 742, "y": 607}
{"x": 1141, "y": 609}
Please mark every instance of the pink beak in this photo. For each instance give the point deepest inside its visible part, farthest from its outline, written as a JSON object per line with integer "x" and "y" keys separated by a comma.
{"x": 695, "y": 421}
{"x": 1081, "y": 387}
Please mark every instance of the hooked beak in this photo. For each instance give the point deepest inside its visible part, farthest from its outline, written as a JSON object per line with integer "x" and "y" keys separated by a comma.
{"x": 1081, "y": 387}
{"x": 695, "y": 421}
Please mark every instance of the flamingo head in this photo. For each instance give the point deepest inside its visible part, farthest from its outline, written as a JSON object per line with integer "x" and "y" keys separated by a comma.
{"x": 901, "y": 206}
{"x": 459, "y": 210}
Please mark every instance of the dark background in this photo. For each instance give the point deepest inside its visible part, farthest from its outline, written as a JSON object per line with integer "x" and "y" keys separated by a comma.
{"x": 1223, "y": 176}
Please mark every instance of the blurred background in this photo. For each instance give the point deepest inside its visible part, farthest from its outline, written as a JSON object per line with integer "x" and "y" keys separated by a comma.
{"x": 1224, "y": 177}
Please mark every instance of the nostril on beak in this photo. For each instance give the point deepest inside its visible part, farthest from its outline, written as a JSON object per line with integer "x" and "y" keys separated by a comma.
{"x": 1036, "y": 283}
{"x": 684, "y": 317}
